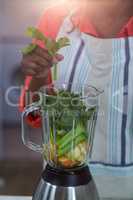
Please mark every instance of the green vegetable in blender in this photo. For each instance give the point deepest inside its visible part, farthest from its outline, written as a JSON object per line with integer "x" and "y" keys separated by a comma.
{"x": 66, "y": 148}
{"x": 71, "y": 136}
{"x": 70, "y": 122}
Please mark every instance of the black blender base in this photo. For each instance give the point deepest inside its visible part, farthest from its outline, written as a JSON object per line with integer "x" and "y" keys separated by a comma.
{"x": 66, "y": 185}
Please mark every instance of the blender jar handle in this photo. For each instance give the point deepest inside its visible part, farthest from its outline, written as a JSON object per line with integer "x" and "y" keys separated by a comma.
{"x": 31, "y": 145}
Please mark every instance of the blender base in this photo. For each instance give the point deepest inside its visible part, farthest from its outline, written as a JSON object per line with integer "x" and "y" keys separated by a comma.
{"x": 66, "y": 185}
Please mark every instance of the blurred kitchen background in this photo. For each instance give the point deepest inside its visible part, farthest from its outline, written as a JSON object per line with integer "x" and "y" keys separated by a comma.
{"x": 19, "y": 167}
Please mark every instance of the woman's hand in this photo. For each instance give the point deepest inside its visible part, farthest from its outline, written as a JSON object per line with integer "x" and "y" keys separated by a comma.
{"x": 38, "y": 63}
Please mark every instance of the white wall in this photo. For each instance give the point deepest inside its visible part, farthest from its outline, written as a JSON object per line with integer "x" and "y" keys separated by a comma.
{"x": 18, "y": 14}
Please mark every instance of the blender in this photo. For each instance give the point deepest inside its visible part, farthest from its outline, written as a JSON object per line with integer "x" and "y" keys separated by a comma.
{"x": 68, "y": 119}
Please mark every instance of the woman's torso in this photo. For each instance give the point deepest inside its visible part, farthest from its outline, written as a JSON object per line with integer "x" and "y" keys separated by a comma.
{"x": 58, "y": 13}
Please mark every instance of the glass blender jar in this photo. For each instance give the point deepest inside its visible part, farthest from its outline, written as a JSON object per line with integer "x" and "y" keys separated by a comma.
{"x": 68, "y": 119}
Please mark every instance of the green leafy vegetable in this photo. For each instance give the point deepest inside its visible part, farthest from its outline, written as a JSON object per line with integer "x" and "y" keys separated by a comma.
{"x": 67, "y": 148}
{"x": 62, "y": 42}
{"x": 29, "y": 49}
{"x": 51, "y": 45}
{"x": 70, "y": 122}
{"x": 35, "y": 33}
{"x": 70, "y": 137}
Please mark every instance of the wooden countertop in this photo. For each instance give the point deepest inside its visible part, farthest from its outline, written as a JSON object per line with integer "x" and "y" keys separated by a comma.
{"x": 30, "y": 198}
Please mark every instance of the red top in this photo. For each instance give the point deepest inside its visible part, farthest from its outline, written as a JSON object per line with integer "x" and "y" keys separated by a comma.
{"x": 50, "y": 23}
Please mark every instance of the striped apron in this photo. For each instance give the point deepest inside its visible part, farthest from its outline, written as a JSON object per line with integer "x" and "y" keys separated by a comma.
{"x": 106, "y": 64}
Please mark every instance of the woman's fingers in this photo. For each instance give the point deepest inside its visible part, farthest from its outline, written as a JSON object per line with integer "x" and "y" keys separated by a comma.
{"x": 42, "y": 62}
{"x": 43, "y": 74}
{"x": 57, "y": 58}
{"x": 38, "y": 62}
{"x": 29, "y": 72}
{"x": 43, "y": 53}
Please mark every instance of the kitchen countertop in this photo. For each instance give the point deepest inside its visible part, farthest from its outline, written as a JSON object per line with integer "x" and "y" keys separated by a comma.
{"x": 15, "y": 198}
{"x": 29, "y": 198}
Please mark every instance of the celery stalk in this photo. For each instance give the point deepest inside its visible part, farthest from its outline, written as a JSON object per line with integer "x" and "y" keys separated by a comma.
{"x": 69, "y": 136}
{"x": 67, "y": 148}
